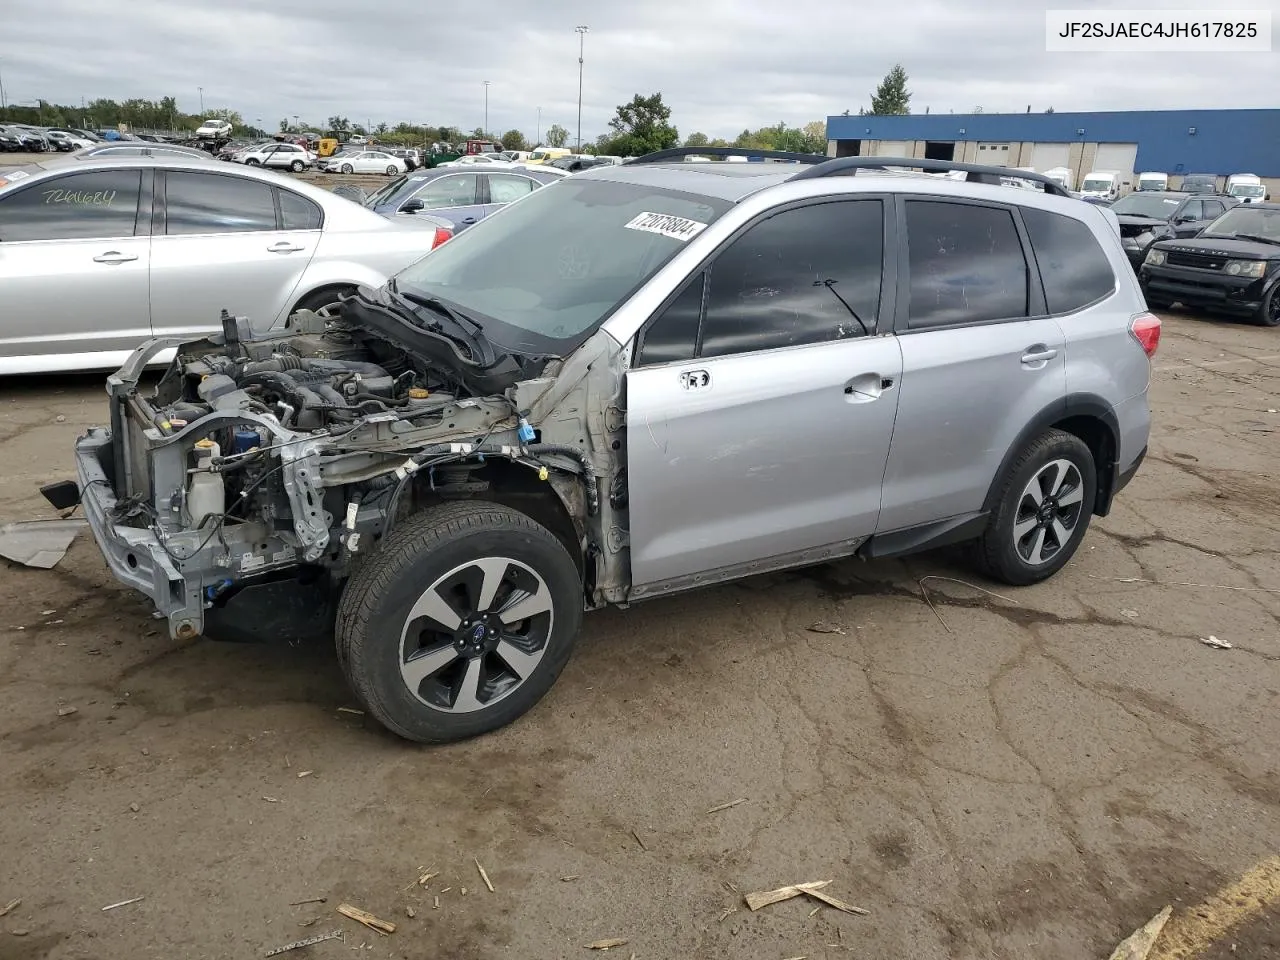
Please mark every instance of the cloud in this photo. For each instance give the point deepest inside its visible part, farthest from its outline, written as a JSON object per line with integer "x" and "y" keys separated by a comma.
{"x": 722, "y": 65}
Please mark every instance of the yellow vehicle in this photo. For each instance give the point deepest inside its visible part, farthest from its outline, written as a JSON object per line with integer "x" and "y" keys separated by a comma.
{"x": 547, "y": 154}
{"x": 327, "y": 147}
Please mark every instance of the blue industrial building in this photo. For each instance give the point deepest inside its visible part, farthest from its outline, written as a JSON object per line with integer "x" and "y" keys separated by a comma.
{"x": 1174, "y": 142}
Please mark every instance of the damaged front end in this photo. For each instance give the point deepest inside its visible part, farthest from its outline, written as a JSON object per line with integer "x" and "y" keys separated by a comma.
{"x": 268, "y": 468}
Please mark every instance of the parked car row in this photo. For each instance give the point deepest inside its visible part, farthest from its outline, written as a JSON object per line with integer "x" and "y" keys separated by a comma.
{"x": 24, "y": 138}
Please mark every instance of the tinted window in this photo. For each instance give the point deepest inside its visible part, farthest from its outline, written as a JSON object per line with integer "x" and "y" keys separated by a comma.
{"x": 1194, "y": 210}
{"x": 798, "y": 277}
{"x": 1073, "y": 267}
{"x": 210, "y": 203}
{"x": 504, "y": 188}
{"x": 966, "y": 264}
{"x": 673, "y": 335}
{"x": 1213, "y": 208}
{"x": 103, "y": 203}
{"x": 456, "y": 190}
{"x": 299, "y": 213}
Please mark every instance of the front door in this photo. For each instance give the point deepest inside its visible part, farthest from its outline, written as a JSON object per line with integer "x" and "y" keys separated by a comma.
{"x": 761, "y": 402}
{"x": 976, "y": 366}
{"x": 74, "y": 256}
{"x": 219, "y": 245}
{"x": 1191, "y": 219}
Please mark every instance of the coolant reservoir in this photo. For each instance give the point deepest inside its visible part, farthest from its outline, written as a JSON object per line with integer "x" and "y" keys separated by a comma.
{"x": 206, "y": 493}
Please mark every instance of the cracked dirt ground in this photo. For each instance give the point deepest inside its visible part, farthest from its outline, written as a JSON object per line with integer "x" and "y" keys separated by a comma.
{"x": 1030, "y": 777}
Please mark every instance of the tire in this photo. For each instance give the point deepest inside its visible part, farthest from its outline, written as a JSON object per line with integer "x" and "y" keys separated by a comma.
{"x": 328, "y": 299}
{"x": 468, "y": 682}
{"x": 1268, "y": 314}
{"x": 347, "y": 168}
{"x": 297, "y": 166}
{"x": 1009, "y": 548}
{"x": 392, "y": 171}
{"x": 253, "y": 162}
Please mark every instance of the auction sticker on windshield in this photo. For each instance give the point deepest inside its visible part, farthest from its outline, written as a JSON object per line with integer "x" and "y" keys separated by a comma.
{"x": 677, "y": 228}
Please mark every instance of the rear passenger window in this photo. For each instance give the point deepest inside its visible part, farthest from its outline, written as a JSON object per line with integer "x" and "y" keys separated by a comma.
{"x": 967, "y": 264}
{"x": 211, "y": 203}
{"x": 673, "y": 335}
{"x": 1073, "y": 268}
{"x": 807, "y": 275}
{"x": 298, "y": 213}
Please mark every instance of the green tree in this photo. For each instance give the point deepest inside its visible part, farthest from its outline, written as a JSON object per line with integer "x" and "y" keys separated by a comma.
{"x": 696, "y": 140}
{"x": 514, "y": 140}
{"x": 815, "y": 134}
{"x": 892, "y": 96}
{"x": 338, "y": 125}
{"x": 557, "y": 136}
{"x": 382, "y": 129}
{"x": 642, "y": 126}
{"x": 284, "y": 125}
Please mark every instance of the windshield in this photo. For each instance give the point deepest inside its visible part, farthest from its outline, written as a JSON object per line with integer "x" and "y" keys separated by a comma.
{"x": 1135, "y": 205}
{"x": 1152, "y": 184}
{"x": 550, "y": 267}
{"x": 1246, "y": 190}
{"x": 1246, "y": 219}
{"x": 385, "y": 193}
{"x": 1096, "y": 186}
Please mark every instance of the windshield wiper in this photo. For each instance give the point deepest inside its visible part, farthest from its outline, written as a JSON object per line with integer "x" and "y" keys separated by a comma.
{"x": 831, "y": 285}
{"x": 1256, "y": 238}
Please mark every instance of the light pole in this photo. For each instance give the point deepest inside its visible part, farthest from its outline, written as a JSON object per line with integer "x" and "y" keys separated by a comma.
{"x": 3, "y": 104}
{"x": 486, "y": 107}
{"x": 538, "y": 139}
{"x": 581, "y": 31}
{"x": 201, "y": 89}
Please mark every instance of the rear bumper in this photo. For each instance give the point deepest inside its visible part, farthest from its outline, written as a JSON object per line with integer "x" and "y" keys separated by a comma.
{"x": 136, "y": 556}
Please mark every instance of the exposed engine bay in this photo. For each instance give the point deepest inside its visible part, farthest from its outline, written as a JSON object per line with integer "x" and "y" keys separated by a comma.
{"x": 265, "y": 460}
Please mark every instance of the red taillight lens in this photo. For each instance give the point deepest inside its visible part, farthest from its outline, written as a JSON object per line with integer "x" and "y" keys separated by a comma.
{"x": 443, "y": 234}
{"x": 1145, "y": 328}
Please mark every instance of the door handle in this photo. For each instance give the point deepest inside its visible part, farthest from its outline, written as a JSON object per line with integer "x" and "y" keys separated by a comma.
{"x": 866, "y": 387}
{"x": 1039, "y": 354}
{"x": 115, "y": 256}
{"x": 468, "y": 219}
{"x": 284, "y": 246}
{"x": 695, "y": 379}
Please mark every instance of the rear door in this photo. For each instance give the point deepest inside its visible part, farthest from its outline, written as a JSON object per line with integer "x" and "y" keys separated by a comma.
{"x": 221, "y": 242}
{"x": 503, "y": 188}
{"x": 761, "y": 402}
{"x": 979, "y": 358}
{"x": 74, "y": 256}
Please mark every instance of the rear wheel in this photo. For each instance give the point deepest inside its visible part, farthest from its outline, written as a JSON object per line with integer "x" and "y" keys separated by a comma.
{"x": 392, "y": 171}
{"x": 460, "y": 622}
{"x": 297, "y": 166}
{"x": 1043, "y": 509}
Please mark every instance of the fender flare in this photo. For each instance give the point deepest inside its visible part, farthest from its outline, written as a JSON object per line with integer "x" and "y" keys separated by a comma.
{"x": 1073, "y": 405}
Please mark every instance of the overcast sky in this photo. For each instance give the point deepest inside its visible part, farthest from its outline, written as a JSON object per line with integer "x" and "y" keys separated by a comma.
{"x": 721, "y": 65}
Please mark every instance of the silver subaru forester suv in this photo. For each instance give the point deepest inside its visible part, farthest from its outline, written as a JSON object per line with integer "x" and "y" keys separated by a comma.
{"x": 639, "y": 380}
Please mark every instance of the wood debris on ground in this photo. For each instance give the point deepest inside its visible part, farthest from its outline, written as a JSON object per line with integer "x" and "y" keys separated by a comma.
{"x": 122, "y": 903}
{"x": 271, "y": 799}
{"x": 726, "y": 806}
{"x": 410, "y": 912}
{"x": 1138, "y": 944}
{"x": 358, "y": 713}
{"x": 305, "y": 773}
{"x": 570, "y": 878}
{"x": 11, "y": 906}
{"x": 726, "y": 912}
{"x": 483, "y": 876}
{"x": 1212, "y": 641}
{"x": 384, "y": 927}
{"x": 309, "y": 922}
{"x": 302, "y": 903}
{"x": 67, "y": 711}
{"x": 608, "y": 944}
{"x": 638, "y": 840}
{"x": 812, "y": 889}
{"x": 822, "y": 626}
{"x": 436, "y": 905}
{"x": 299, "y": 944}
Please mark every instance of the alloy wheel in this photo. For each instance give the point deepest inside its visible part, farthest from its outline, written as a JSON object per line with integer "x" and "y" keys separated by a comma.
{"x": 475, "y": 635}
{"x": 1048, "y": 512}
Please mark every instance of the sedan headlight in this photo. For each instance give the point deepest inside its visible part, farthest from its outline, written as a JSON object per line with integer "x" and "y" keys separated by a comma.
{"x": 1246, "y": 268}
{"x": 1154, "y": 258}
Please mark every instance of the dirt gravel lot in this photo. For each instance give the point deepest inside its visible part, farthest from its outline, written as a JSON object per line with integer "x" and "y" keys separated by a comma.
{"x": 1028, "y": 775}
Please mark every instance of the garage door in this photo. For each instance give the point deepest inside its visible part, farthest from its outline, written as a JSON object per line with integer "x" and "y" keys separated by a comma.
{"x": 1046, "y": 156}
{"x": 893, "y": 148}
{"x": 1116, "y": 156}
{"x": 994, "y": 154}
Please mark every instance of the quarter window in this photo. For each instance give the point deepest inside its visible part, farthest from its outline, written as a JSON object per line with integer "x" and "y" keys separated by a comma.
{"x": 100, "y": 204}
{"x": 504, "y": 188}
{"x": 807, "y": 275}
{"x": 967, "y": 264}
{"x": 1194, "y": 210}
{"x": 299, "y": 213}
{"x": 673, "y": 335}
{"x": 212, "y": 203}
{"x": 1073, "y": 268}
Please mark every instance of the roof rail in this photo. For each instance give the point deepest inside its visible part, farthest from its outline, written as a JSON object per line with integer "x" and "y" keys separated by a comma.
{"x": 977, "y": 173}
{"x": 676, "y": 153}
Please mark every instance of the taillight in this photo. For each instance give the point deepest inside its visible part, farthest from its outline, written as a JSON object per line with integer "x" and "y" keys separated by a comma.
{"x": 1145, "y": 328}
{"x": 443, "y": 234}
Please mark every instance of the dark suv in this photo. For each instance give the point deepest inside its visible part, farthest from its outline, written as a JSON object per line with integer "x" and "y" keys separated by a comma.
{"x": 1152, "y": 215}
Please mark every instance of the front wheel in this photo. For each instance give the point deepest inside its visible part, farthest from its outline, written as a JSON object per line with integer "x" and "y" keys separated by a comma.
{"x": 1044, "y": 505}
{"x": 1268, "y": 314}
{"x": 460, "y": 622}
{"x": 347, "y": 168}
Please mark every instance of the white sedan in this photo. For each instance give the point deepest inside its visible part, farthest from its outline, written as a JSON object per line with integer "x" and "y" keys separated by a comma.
{"x": 480, "y": 159}
{"x": 368, "y": 161}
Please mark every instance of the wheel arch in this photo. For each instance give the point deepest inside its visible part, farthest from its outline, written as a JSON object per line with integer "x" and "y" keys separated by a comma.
{"x": 1084, "y": 415}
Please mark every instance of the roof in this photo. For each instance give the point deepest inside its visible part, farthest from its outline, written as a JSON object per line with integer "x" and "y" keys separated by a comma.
{"x": 724, "y": 181}
{"x": 1172, "y": 141}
